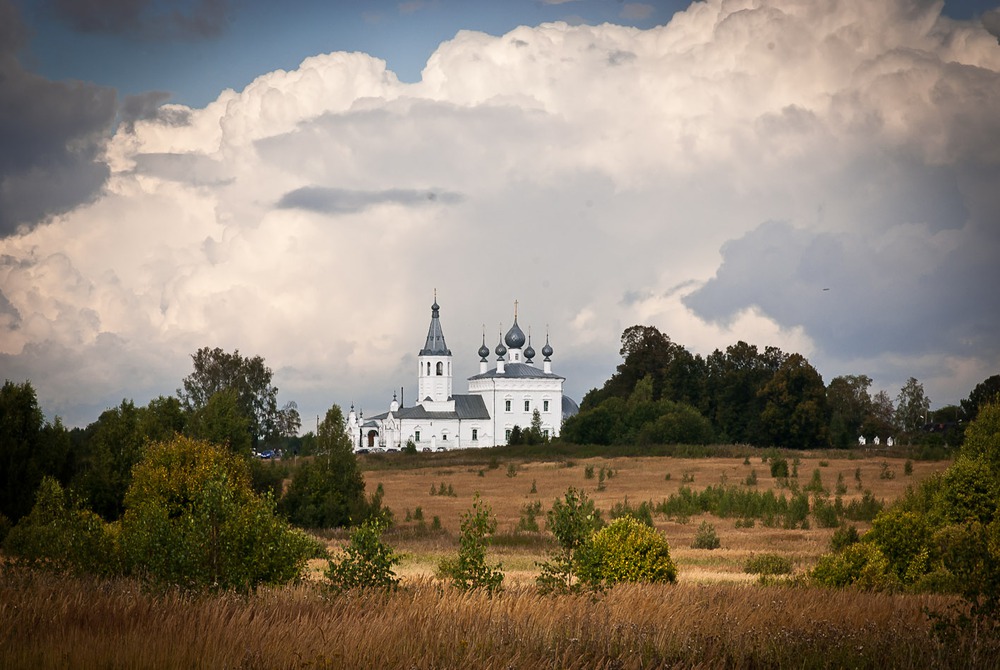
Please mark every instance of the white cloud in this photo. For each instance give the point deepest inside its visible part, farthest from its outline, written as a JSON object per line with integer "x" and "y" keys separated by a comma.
{"x": 602, "y": 176}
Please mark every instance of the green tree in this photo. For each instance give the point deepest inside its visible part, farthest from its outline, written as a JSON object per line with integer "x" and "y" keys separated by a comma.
{"x": 881, "y": 421}
{"x": 327, "y": 491}
{"x": 216, "y": 370}
{"x": 30, "y": 449}
{"x": 850, "y": 404}
{"x": 912, "y": 407}
{"x": 982, "y": 437}
{"x": 626, "y": 551}
{"x": 986, "y": 391}
{"x": 367, "y": 562}
{"x": 222, "y": 422}
{"x": 61, "y": 534}
{"x": 795, "y": 413}
{"x": 735, "y": 379}
{"x": 114, "y": 446}
{"x": 572, "y": 520}
{"x": 191, "y": 519}
{"x": 469, "y": 570}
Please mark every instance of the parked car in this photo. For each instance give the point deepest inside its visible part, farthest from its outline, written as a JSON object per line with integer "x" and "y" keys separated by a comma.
{"x": 268, "y": 454}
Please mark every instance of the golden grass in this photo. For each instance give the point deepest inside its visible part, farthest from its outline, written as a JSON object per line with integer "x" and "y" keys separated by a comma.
{"x": 637, "y": 479}
{"x": 49, "y": 621}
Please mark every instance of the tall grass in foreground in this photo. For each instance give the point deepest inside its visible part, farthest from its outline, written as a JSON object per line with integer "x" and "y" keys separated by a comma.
{"x": 49, "y": 621}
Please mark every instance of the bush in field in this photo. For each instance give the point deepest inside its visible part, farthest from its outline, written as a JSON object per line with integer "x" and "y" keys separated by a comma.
{"x": 191, "y": 519}
{"x": 572, "y": 520}
{"x": 706, "y": 537}
{"x": 469, "y": 569}
{"x": 643, "y": 512}
{"x": 367, "y": 562}
{"x": 625, "y": 551}
{"x": 861, "y": 565}
{"x": 768, "y": 564}
{"x": 60, "y": 533}
{"x": 843, "y": 537}
{"x": 779, "y": 468}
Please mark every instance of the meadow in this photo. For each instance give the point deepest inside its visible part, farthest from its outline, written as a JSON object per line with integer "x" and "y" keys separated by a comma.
{"x": 715, "y": 616}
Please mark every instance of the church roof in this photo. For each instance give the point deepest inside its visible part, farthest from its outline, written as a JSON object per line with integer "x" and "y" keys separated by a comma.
{"x": 435, "y": 345}
{"x": 517, "y": 371}
{"x": 466, "y": 407}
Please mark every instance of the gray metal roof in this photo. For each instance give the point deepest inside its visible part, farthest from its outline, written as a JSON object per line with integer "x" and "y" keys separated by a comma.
{"x": 466, "y": 407}
{"x": 435, "y": 345}
{"x": 517, "y": 371}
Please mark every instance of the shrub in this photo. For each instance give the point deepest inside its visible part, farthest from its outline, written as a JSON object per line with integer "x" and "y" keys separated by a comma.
{"x": 588, "y": 472}
{"x": 751, "y": 479}
{"x": 528, "y": 523}
{"x": 511, "y": 470}
{"x": 901, "y": 536}
{"x": 706, "y": 538}
{"x": 643, "y": 513}
{"x": 59, "y": 533}
{"x": 768, "y": 564}
{"x": 816, "y": 483}
{"x": 861, "y": 565}
{"x": 779, "y": 468}
{"x": 825, "y": 513}
{"x": 191, "y": 519}
{"x": 469, "y": 569}
{"x": 367, "y": 562}
{"x": 908, "y": 468}
{"x": 843, "y": 537}
{"x": 626, "y": 551}
{"x": 841, "y": 487}
{"x": 572, "y": 520}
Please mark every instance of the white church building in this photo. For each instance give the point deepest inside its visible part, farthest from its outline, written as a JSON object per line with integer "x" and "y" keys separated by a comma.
{"x": 499, "y": 398}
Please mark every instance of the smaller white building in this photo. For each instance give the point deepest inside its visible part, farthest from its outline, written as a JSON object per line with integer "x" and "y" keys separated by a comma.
{"x": 499, "y": 398}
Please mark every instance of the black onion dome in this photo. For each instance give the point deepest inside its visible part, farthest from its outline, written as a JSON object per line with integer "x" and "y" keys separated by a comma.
{"x": 529, "y": 353}
{"x": 484, "y": 351}
{"x": 501, "y": 350}
{"x": 515, "y": 336}
{"x": 547, "y": 349}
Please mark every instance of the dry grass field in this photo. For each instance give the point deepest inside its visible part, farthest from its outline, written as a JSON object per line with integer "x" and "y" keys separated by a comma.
{"x": 636, "y": 479}
{"x": 713, "y": 617}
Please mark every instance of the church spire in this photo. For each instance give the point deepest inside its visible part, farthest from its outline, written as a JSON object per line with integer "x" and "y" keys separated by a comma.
{"x": 435, "y": 344}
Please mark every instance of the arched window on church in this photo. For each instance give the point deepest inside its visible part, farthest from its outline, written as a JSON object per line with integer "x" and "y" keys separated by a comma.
{"x": 428, "y": 368}
{"x": 440, "y": 368}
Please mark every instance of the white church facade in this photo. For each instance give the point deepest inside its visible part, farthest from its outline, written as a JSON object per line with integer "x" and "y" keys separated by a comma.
{"x": 499, "y": 398}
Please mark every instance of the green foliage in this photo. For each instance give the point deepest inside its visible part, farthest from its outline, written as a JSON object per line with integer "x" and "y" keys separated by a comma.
{"x": 528, "y": 523}
{"x": 779, "y": 468}
{"x": 865, "y": 509}
{"x": 982, "y": 437}
{"x": 795, "y": 413}
{"x": 706, "y": 537}
{"x": 884, "y": 471}
{"x": 751, "y": 479}
{"x": 768, "y": 564}
{"x": 116, "y": 446}
{"x": 908, "y": 468}
{"x": 827, "y": 514}
{"x": 861, "y": 565}
{"x": 844, "y": 537}
{"x": 572, "y": 520}
{"x": 193, "y": 520}
{"x": 511, "y": 470}
{"x": 410, "y": 447}
{"x": 327, "y": 491}
{"x": 815, "y": 484}
{"x": 469, "y": 570}
{"x": 625, "y": 551}
{"x": 30, "y": 449}
{"x": 61, "y": 534}
{"x": 643, "y": 512}
{"x": 367, "y": 562}
{"x": 985, "y": 392}
{"x": 588, "y": 472}
{"x": 222, "y": 421}
{"x": 912, "y": 407}
{"x": 267, "y": 477}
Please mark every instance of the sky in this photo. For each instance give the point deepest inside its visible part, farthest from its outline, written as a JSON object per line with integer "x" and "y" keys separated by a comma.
{"x": 297, "y": 182}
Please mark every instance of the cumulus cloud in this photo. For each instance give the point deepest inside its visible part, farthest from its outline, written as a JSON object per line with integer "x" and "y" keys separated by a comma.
{"x": 711, "y": 176}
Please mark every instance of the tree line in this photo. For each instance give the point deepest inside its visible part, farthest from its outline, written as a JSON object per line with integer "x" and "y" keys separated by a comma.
{"x": 228, "y": 400}
{"x": 663, "y": 394}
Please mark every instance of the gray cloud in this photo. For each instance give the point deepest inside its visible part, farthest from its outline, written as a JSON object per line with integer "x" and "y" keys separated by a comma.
{"x": 51, "y": 134}
{"x": 145, "y": 19}
{"x": 991, "y": 21}
{"x": 346, "y": 201}
{"x": 862, "y": 295}
{"x": 192, "y": 169}
{"x": 149, "y": 106}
